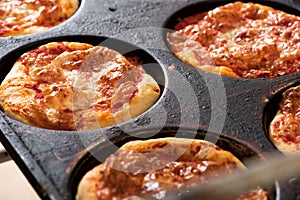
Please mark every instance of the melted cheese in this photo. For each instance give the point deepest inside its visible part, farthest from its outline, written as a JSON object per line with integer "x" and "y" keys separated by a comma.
{"x": 28, "y": 16}
{"x": 251, "y": 39}
{"x": 285, "y": 127}
{"x": 123, "y": 176}
{"x": 73, "y": 84}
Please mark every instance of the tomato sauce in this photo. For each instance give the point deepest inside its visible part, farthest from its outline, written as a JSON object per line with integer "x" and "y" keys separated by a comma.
{"x": 254, "y": 41}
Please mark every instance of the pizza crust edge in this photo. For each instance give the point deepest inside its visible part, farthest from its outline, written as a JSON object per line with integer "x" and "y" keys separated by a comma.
{"x": 189, "y": 58}
{"x": 148, "y": 93}
{"x": 69, "y": 8}
{"x": 88, "y": 183}
{"x": 274, "y": 136}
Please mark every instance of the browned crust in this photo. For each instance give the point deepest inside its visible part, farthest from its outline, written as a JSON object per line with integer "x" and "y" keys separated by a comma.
{"x": 88, "y": 185}
{"x": 60, "y": 107}
{"x": 19, "y": 102}
{"x": 240, "y": 39}
{"x": 277, "y": 135}
{"x": 284, "y": 127}
{"x": 67, "y": 9}
{"x": 189, "y": 147}
{"x": 146, "y": 96}
{"x": 189, "y": 58}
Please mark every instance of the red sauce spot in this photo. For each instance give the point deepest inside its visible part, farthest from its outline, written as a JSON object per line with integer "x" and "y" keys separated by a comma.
{"x": 156, "y": 90}
{"x": 43, "y": 54}
{"x": 277, "y": 125}
{"x": 101, "y": 106}
{"x": 33, "y": 87}
{"x": 288, "y": 138}
{"x": 67, "y": 110}
{"x": 218, "y": 148}
{"x": 39, "y": 96}
{"x": 134, "y": 93}
{"x": 159, "y": 145}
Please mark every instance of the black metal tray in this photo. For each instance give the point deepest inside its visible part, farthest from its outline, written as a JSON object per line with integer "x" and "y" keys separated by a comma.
{"x": 191, "y": 101}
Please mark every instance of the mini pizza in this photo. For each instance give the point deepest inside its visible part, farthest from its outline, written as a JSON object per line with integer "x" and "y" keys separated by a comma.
{"x": 242, "y": 40}
{"x": 156, "y": 168}
{"x": 19, "y": 17}
{"x": 284, "y": 128}
{"x": 71, "y": 86}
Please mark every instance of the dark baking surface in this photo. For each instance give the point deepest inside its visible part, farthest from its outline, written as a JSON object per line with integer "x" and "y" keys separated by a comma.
{"x": 50, "y": 159}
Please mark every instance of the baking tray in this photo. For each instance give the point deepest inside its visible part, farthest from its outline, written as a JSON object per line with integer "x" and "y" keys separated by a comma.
{"x": 192, "y": 103}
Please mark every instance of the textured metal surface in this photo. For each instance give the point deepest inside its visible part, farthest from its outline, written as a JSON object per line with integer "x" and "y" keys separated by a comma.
{"x": 49, "y": 158}
{"x": 4, "y": 156}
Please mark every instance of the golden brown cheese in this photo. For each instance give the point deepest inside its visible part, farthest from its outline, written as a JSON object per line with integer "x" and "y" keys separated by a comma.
{"x": 177, "y": 175}
{"x": 69, "y": 86}
{"x": 285, "y": 127}
{"x": 143, "y": 170}
{"x": 240, "y": 40}
{"x": 18, "y": 17}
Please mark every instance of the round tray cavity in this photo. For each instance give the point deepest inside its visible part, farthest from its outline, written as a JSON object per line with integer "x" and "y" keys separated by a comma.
{"x": 241, "y": 149}
{"x": 185, "y": 48}
{"x": 272, "y": 107}
{"x": 149, "y": 63}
